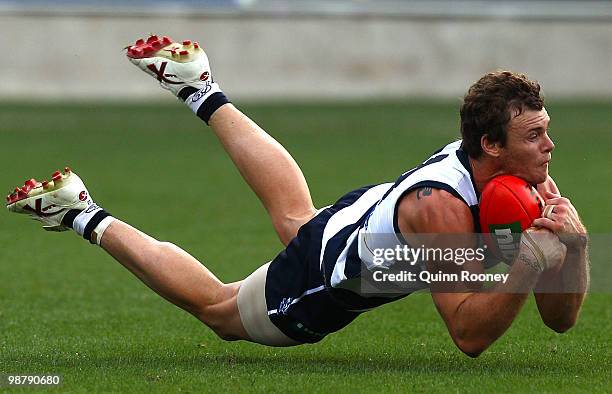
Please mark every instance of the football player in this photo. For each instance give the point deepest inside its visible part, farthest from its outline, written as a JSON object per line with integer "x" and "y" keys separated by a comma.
{"x": 312, "y": 288}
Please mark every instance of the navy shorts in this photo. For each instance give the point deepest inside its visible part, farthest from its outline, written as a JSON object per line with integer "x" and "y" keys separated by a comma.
{"x": 299, "y": 301}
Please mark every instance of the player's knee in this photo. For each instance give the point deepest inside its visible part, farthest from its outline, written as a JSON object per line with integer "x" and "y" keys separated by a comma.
{"x": 473, "y": 348}
{"x": 225, "y": 334}
{"x": 221, "y": 316}
{"x": 560, "y": 326}
{"x": 209, "y": 315}
{"x": 219, "y": 325}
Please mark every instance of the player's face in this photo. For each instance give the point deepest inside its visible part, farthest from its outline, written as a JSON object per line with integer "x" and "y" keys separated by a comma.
{"x": 528, "y": 147}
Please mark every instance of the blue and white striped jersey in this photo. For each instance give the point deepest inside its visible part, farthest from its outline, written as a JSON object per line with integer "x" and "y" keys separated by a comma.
{"x": 351, "y": 231}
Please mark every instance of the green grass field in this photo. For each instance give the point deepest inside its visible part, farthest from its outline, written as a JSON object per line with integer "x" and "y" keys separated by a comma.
{"x": 67, "y": 308}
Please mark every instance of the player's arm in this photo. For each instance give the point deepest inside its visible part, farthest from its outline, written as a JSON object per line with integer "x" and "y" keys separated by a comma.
{"x": 560, "y": 293}
{"x": 268, "y": 169}
{"x": 474, "y": 319}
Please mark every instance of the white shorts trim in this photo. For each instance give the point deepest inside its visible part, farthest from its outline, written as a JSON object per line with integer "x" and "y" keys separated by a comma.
{"x": 254, "y": 311}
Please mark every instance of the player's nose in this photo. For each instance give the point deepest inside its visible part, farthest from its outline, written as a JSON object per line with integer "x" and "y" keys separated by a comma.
{"x": 549, "y": 145}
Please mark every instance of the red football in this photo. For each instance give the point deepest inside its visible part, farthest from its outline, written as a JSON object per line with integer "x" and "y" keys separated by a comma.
{"x": 508, "y": 205}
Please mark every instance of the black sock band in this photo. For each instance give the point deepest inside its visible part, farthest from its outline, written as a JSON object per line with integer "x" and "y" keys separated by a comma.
{"x": 68, "y": 219}
{"x": 186, "y": 92}
{"x": 205, "y": 101}
{"x": 93, "y": 223}
{"x": 211, "y": 104}
{"x": 70, "y": 216}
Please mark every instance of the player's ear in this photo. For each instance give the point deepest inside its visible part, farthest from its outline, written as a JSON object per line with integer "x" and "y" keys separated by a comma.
{"x": 490, "y": 148}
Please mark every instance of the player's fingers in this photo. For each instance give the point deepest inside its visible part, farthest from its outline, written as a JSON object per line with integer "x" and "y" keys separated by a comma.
{"x": 549, "y": 194}
{"x": 547, "y": 223}
{"x": 557, "y": 201}
{"x": 558, "y": 218}
{"x": 548, "y": 210}
{"x": 537, "y": 229}
{"x": 557, "y": 213}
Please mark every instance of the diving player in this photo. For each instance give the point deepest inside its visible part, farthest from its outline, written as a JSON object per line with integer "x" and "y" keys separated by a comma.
{"x": 309, "y": 290}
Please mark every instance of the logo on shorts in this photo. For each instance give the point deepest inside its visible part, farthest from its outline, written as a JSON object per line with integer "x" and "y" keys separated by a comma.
{"x": 284, "y": 305}
{"x": 83, "y": 195}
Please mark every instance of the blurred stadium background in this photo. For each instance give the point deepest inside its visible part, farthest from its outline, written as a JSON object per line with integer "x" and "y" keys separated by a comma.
{"x": 358, "y": 91}
{"x": 310, "y": 48}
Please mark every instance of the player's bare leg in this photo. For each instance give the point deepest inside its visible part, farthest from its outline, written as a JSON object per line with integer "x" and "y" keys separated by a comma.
{"x": 268, "y": 169}
{"x": 264, "y": 163}
{"x": 64, "y": 203}
{"x": 178, "y": 277}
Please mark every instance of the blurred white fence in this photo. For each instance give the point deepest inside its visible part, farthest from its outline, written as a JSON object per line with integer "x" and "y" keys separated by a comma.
{"x": 309, "y": 49}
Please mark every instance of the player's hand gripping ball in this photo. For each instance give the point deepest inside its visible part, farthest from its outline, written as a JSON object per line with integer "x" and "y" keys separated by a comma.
{"x": 508, "y": 206}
